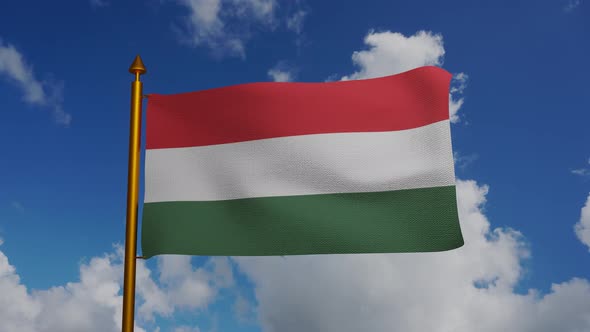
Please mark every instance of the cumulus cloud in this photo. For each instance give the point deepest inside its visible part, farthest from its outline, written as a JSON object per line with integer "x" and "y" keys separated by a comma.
{"x": 94, "y": 302}
{"x": 391, "y": 53}
{"x": 282, "y": 72}
{"x": 582, "y": 171}
{"x": 91, "y": 304}
{"x": 468, "y": 289}
{"x": 278, "y": 75}
{"x": 17, "y": 308}
{"x": 187, "y": 287}
{"x": 48, "y": 94}
{"x": 582, "y": 228}
{"x": 181, "y": 286}
{"x": 223, "y": 25}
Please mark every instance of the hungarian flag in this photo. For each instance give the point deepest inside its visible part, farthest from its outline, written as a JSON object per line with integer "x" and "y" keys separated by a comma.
{"x": 361, "y": 166}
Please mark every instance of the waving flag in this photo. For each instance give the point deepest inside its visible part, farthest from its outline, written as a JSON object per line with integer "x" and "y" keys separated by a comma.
{"x": 360, "y": 166}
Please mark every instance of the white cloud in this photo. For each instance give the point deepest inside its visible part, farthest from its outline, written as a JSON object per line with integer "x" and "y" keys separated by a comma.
{"x": 461, "y": 80}
{"x": 583, "y": 171}
{"x": 186, "y": 287}
{"x": 454, "y": 106}
{"x": 282, "y": 72}
{"x": 204, "y": 26}
{"x": 17, "y": 308}
{"x": 155, "y": 300}
{"x": 280, "y": 76}
{"x": 14, "y": 67}
{"x": 392, "y": 53}
{"x": 94, "y": 302}
{"x": 571, "y": 5}
{"x": 458, "y": 85}
{"x": 468, "y": 289}
{"x": 46, "y": 94}
{"x": 225, "y": 26}
{"x": 262, "y": 10}
{"x": 91, "y": 304}
{"x": 582, "y": 228}
{"x": 208, "y": 23}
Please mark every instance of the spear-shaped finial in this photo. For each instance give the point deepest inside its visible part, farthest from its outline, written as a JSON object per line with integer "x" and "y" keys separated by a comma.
{"x": 137, "y": 66}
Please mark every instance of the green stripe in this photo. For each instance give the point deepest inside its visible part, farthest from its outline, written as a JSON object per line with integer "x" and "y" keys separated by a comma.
{"x": 413, "y": 220}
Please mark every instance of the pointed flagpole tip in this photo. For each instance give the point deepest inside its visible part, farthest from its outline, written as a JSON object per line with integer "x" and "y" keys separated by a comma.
{"x": 137, "y": 66}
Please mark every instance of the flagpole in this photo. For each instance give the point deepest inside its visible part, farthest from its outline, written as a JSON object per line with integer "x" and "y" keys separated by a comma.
{"x": 137, "y": 68}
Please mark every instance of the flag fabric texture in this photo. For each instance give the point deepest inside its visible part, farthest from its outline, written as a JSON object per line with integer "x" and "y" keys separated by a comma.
{"x": 362, "y": 166}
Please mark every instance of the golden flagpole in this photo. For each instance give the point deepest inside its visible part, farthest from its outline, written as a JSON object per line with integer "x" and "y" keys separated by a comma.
{"x": 137, "y": 68}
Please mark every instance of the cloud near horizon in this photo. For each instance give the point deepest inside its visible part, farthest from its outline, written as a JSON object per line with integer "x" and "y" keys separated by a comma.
{"x": 467, "y": 289}
{"x": 94, "y": 302}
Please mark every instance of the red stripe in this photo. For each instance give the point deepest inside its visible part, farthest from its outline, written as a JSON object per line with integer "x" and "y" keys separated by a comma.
{"x": 265, "y": 110}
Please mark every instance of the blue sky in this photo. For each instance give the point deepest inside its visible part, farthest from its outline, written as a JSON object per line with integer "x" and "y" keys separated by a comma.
{"x": 520, "y": 99}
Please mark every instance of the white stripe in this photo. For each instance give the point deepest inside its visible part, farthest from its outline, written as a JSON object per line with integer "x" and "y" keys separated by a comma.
{"x": 303, "y": 165}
